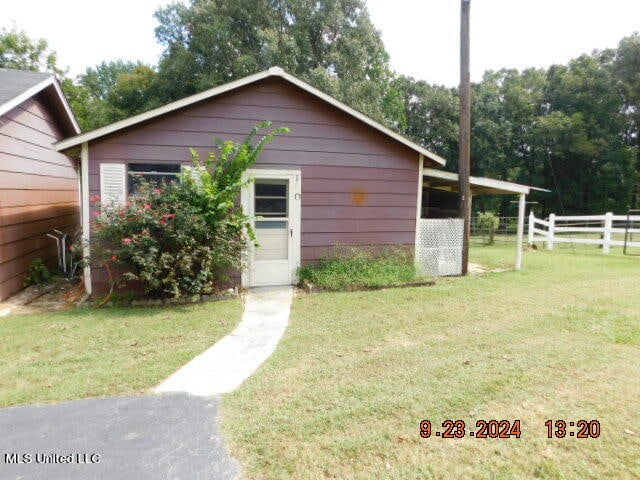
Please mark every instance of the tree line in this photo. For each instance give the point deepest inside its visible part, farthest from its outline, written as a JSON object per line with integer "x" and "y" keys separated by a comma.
{"x": 573, "y": 129}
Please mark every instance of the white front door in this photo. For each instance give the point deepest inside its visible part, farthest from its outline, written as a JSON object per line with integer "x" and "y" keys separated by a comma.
{"x": 272, "y": 200}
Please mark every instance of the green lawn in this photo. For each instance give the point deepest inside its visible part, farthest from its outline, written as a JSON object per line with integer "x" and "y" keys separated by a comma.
{"x": 87, "y": 353}
{"x": 344, "y": 393}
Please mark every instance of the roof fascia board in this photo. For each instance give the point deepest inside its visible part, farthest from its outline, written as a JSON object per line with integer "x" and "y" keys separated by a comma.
{"x": 482, "y": 182}
{"x": 360, "y": 116}
{"x": 156, "y": 112}
{"x": 66, "y": 106}
{"x": 274, "y": 71}
{"x": 26, "y": 95}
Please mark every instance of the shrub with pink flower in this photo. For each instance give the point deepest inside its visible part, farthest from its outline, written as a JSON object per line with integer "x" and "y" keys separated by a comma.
{"x": 183, "y": 238}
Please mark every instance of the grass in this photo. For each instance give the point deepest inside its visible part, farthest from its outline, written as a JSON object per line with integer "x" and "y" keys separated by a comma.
{"x": 348, "y": 269}
{"x": 88, "y": 353}
{"x": 343, "y": 395}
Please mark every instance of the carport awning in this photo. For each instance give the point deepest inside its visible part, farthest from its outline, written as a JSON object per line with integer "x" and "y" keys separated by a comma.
{"x": 448, "y": 182}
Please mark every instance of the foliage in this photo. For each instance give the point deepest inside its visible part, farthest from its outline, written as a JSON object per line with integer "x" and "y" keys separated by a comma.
{"x": 111, "y": 91}
{"x": 20, "y": 52}
{"x": 571, "y": 128}
{"x": 37, "y": 273}
{"x": 431, "y": 113}
{"x": 184, "y": 238}
{"x": 330, "y": 43}
{"x": 488, "y": 222}
{"x": 352, "y": 268}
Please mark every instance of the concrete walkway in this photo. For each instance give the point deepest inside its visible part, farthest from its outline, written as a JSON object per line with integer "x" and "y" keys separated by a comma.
{"x": 169, "y": 437}
{"x": 224, "y": 366}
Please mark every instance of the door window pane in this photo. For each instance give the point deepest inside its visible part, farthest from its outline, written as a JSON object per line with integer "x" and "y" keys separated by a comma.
{"x": 270, "y": 189}
{"x": 270, "y": 198}
{"x": 270, "y": 225}
{"x": 271, "y": 207}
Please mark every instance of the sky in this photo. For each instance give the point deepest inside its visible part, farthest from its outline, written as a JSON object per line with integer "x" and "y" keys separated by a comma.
{"x": 421, "y": 36}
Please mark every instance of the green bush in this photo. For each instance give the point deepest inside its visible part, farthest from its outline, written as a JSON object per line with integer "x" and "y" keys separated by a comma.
{"x": 353, "y": 268}
{"x": 488, "y": 223}
{"x": 37, "y": 273}
{"x": 183, "y": 238}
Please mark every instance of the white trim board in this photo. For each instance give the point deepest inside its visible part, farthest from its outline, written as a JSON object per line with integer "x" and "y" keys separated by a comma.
{"x": 27, "y": 94}
{"x": 504, "y": 187}
{"x": 24, "y": 96}
{"x": 86, "y": 237}
{"x": 213, "y": 92}
{"x": 295, "y": 215}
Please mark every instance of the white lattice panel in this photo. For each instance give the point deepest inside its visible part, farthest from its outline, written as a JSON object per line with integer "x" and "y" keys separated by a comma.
{"x": 439, "y": 247}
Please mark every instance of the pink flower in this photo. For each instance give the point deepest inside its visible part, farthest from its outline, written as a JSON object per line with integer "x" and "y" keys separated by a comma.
{"x": 162, "y": 222}
{"x": 96, "y": 214}
{"x": 122, "y": 213}
{"x": 114, "y": 258}
{"x": 157, "y": 191}
{"x": 94, "y": 198}
{"x": 126, "y": 240}
{"x": 147, "y": 207}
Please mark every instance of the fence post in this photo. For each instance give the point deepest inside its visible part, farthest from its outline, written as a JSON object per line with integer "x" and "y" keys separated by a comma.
{"x": 532, "y": 225}
{"x": 606, "y": 238}
{"x": 550, "y": 233}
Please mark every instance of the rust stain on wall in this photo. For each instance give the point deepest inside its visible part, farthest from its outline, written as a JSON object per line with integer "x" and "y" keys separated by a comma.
{"x": 359, "y": 196}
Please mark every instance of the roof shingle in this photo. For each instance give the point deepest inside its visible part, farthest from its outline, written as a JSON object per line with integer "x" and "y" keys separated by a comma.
{"x": 16, "y": 82}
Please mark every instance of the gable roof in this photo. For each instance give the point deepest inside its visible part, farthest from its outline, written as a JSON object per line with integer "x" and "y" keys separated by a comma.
{"x": 17, "y": 86}
{"x": 213, "y": 92}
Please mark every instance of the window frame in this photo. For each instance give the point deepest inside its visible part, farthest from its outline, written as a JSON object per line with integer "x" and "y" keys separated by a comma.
{"x": 130, "y": 174}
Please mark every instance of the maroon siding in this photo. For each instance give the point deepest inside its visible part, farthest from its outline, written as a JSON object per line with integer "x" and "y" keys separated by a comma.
{"x": 38, "y": 190}
{"x": 358, "y": 186}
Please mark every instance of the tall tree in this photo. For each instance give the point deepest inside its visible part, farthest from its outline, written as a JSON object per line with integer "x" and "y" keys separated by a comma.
{"x": 20, "y": 52}
{"x": 330, "y": 43}
{"x": 589, "y": 158}
{"x": 111, "y": 91}
{"x": 431, "y": 113}
{"x": 626, "y": 68}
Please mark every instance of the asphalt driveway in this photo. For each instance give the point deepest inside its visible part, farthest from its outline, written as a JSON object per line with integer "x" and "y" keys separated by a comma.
{"x": 172, "y": 436}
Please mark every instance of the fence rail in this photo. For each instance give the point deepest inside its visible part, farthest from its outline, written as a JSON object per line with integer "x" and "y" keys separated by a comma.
{"x": 505, "y": 232}
{"x": 559, "y": 229}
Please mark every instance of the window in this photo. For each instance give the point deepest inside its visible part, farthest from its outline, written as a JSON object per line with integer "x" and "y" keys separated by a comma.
{"x": 154, "y": 173}
{"x": 271, "y": 198}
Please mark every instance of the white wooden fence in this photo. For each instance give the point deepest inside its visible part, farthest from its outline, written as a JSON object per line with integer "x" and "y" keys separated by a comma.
{"x": 562, "y": 229}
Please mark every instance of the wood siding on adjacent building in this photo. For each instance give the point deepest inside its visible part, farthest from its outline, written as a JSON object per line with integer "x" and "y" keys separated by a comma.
{"x": 38, "y": 191}
{"x": 359, "y": 186}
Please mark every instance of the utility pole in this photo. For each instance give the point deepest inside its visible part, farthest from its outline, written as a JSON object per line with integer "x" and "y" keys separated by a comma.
{"x": 464, "y": 157}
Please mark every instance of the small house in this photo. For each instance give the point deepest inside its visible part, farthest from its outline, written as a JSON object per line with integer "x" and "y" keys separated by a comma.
{"x": 38, "y": 185}
{"x": 338, "y": 177}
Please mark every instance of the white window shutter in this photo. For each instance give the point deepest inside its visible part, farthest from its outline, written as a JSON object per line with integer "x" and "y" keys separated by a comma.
{"x": 113, "y": 178}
